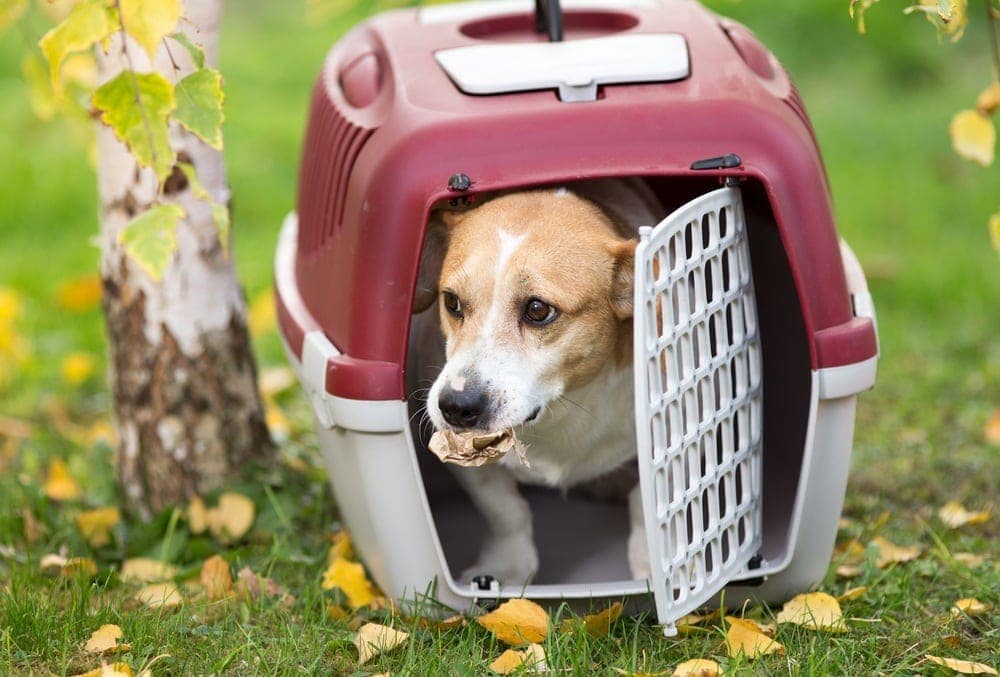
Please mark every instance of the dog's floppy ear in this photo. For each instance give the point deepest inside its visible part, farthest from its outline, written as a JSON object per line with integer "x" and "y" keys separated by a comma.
{"x": 431, "y": 258}
{"x": 623, "y": 280}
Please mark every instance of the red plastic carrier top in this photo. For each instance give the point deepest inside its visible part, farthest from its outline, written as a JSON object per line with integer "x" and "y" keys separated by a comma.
{"x": 388, "y": 128}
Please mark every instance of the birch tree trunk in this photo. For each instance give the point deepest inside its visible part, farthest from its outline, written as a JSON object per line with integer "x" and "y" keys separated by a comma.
{"x": 182, "y": 374}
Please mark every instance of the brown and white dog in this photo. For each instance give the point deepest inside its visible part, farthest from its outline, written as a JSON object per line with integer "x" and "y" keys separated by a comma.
{"x": 534, "y": 295}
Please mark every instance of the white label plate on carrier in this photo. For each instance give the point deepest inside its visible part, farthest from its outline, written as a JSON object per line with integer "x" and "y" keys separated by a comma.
{"x": 698, "y": 401}
{"x": 574, "y": 67}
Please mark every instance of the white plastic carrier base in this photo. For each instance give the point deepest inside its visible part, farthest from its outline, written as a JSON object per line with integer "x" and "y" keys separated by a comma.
{"x": 698, "y": 423}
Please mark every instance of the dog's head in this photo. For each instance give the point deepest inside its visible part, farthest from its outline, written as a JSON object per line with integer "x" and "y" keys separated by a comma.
{"x": 534, "y": 291}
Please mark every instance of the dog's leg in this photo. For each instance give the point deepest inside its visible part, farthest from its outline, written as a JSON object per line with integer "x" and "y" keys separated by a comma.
{"x": 508, "y": 552}
{"x": 638, "y": 547}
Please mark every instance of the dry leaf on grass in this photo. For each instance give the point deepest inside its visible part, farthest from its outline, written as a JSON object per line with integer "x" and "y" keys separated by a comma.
{"x": 215, "y": 578}
{"x": 335, "y": 612}
{"x": 74, "y": 566}
{"x": 449, "y": 623}
{"x": 970, "y": 606}
{"x": 697, "y": 667}
{"x": 95, "y": 525}
{"x": 59, "y": 484}
{"x": 252, "y": 586}
{"x": 146, "y": 570}
{"x": 954, "y": 515}
{"x": 991, "y": 431}
{"x": 109, "y": 670}
{"x": 232, "y": 518}
{"x": 351, "y": 579}
{"x": 813, "y": 611}
{"x": 516, "y": 622}
{"x": 690, "y": 623}
{"x": 890, "y": 553}
{"x": 105, "y": 640}
{"x": 969, "y": 559}
{"x": 964, "y": 667}
{"x": 848, "y": 571}
{"x": 472, "y": 449}
{"x": 373, "y": 639}
{"x": 532, "y": 658}
{"x": 852, "y": 593}
{"x": 197, "y": 516}
{"x": 768, "y": 629}
{"x": 160, "y": 596}
{"x": 742, "y": 638}
{"x": 596, "y": 625}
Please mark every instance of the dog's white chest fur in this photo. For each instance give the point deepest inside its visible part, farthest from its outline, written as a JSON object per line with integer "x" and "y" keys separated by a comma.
{"x": 587, "y": 433}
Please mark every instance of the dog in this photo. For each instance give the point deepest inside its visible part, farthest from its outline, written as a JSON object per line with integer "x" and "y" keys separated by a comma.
{"x": 534, "y": 293}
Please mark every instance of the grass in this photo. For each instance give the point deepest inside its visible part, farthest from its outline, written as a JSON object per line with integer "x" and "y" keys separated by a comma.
{"x": 913, "y": 211}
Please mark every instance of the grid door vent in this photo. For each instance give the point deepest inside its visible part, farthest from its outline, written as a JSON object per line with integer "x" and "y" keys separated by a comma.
{"x": 698, "y": 401}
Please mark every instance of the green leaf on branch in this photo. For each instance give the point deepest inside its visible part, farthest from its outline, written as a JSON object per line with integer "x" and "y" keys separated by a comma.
{"x": 220, "y": 213}
{"x": 199, "y": 105}
{"x": 151, "y": 238}
{"x": 196, "y": 52}
{"x": 149, "y": 21}
{"x": 136, "y": 106}
{"x": 89, "y": 22}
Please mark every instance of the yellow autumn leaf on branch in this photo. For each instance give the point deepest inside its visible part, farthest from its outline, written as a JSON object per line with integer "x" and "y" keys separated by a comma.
{"x": 973, "y": 136}
{"x": 59, "y": 484}
{"x": 989, "y": 99}
{"x": 149, "y": 21}
{"x": 95, "y": 525}
{"x": 136, "y": 106}
{"x": 88, "y": 23}
{"x": 949, "y": 17}
{"x": 516, "y": 622}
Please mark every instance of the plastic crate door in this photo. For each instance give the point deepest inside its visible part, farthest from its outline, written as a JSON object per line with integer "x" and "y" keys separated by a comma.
{"x": 698, "y": 401}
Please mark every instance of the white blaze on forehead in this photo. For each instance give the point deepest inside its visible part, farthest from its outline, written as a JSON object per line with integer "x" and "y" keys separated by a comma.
{"x": 508, "y": 245}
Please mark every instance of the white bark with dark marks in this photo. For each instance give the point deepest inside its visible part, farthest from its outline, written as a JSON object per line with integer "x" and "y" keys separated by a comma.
{"x": 182, "y": 374}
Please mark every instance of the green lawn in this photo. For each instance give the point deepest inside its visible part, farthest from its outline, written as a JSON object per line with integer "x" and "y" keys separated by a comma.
{"x": 914, "y": 212}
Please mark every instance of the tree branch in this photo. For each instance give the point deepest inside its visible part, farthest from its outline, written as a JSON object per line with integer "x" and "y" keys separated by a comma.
{"x": 991, "y": 26}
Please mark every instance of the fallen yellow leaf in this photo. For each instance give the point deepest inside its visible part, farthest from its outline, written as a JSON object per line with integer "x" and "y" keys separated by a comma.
{"x": 146, "y": 570}
{"x": 59, "y": 484}
{"x": 160, "y": 596}
{"x": 973, "y": 136}
{"x": 853, "y": 593}
{"x": 697, "y": 667}
{"x": 596, "y": 625}
{"x": 989, "y": 99}
{"x": 851, "y": 552}
{"x": 105, "y": 640}
{"x": 335, "y": 612}
{"x": 814, "y": 611}
{"x": 531, "y": 657}
{"x": 197, "y": 516}
{"x": 970, "y": 606}
{"x": 112, "y": 670}
{"x": 80, "y": 295}
{"x": 232, "y": 518}
{"x": 848, "y": 571}
{"x": 954, "y": 515}
{"x": 340, "y": 546}
{"x": 516, "y": 622}
{"x": 77, "y": 367}
{"x": 968, "y": 559}
{"x": 964, "y": 667}
{"x": 59, "y": 565}
{"x": 95, "y": 525}
{"x": 741, "y": 638}
{"x": 890, "y": 553}
{"x": 351, "y": 579}
{"x": 991, "y": 431}
{"x": 373, "y": 639}
{"x": 216, "y": 578}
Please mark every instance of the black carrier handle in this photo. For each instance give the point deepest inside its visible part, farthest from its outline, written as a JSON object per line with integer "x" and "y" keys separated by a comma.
{"x": 549, "y": 19}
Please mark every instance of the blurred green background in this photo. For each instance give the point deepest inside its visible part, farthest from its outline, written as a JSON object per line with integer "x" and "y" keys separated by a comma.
{"x": 913, "y": 211}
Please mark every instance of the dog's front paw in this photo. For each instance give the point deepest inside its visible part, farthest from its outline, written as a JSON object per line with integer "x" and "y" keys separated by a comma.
{"x": 512, "y": 560}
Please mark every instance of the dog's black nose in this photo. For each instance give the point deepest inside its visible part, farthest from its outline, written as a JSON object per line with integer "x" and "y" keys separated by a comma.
{"x": 463, "y": 408}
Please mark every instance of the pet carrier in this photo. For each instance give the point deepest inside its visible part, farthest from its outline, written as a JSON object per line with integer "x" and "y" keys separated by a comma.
{"x": 753, "y": 328}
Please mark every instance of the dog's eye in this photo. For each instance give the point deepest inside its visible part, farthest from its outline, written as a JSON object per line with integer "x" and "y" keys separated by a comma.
{"x": 539, "y": 312}
{"x": 452, "y": 304}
